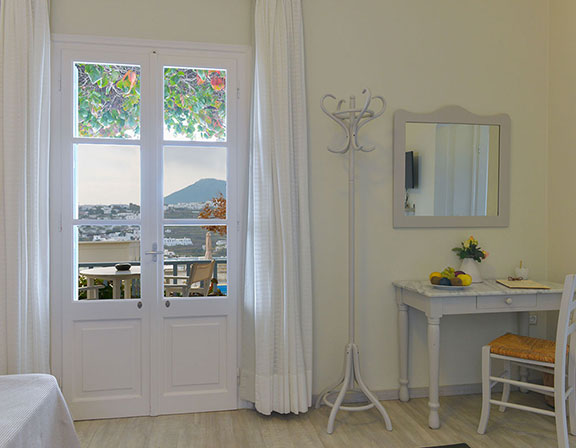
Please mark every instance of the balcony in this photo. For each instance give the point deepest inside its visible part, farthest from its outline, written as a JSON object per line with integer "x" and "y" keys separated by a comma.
{"x": 102, "y": 254}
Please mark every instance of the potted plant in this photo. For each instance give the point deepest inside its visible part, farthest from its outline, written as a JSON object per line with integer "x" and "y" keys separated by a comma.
{"x": 471, "y": 254}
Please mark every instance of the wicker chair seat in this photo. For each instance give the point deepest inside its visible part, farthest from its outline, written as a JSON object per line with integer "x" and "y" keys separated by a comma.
{"x": 524, "y": 347}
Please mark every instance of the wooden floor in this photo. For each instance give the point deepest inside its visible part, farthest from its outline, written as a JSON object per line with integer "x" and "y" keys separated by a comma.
{"x": 245, "y": 428}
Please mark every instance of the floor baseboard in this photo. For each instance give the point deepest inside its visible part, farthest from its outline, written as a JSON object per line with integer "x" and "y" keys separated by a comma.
{"x": 415, "y": 392}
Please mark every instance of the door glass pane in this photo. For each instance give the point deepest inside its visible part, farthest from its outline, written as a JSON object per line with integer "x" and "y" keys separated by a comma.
{"x": 195, "y": 261}
{"x": 107, "y": 100}
{"x": 108, "y": 182}
{"x": 194, "y": 104}
{"x": 102, "y": 251}
{"x": 194, "y": 183}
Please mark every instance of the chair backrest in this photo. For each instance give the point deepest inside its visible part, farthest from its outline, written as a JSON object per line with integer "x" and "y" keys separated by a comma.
{"x": 201, "y": 272}
{"x": 565, "y": 333}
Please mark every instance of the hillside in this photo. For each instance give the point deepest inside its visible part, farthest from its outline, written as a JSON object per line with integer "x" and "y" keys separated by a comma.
{"x": 201, "y": 191}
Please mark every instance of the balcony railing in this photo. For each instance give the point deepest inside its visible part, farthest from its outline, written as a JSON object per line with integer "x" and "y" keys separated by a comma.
{"x": 178, "y": 267}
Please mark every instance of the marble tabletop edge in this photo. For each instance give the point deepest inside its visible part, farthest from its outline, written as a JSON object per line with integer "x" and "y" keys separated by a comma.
{"x": 486, "y": 288}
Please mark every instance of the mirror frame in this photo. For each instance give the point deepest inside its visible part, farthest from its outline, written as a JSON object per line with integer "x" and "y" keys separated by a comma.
{"x": 455, "y": 115}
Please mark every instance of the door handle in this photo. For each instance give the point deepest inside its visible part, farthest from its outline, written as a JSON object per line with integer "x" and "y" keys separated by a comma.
{"x": 154, "y": 252}
{"x": 139, "y": 304}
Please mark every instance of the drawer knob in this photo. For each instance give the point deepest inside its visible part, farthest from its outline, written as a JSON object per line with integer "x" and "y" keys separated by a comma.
{"x": 508, "y": 300}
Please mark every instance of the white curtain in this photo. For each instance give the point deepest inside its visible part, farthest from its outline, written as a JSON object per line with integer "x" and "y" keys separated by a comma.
{"x": 277, "y": 337}
{"x": 24, "y": 151}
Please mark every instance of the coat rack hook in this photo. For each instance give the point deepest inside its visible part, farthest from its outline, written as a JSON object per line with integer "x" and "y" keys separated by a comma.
{"x": 352, "y": 120}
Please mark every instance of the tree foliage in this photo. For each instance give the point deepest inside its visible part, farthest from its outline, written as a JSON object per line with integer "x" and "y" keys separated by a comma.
{"x": 215, "y": 209}
{"x": 195, "y": 103}
{"x": 109, "y": 102}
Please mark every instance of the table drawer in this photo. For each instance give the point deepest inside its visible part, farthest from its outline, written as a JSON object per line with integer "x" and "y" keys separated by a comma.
{"x": 502, "y": 302}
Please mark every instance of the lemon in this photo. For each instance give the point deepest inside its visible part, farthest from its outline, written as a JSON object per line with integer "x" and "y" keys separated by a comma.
{"x": 466, "y": 279}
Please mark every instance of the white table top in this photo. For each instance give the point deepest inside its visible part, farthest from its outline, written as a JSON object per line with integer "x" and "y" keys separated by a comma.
{"x": 111, "y": 271}
{"x": 486, "y": 288}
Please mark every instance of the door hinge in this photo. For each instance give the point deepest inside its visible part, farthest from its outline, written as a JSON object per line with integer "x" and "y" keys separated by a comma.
{"x": 238, "y": 93}
{"x": 238, "y": 376}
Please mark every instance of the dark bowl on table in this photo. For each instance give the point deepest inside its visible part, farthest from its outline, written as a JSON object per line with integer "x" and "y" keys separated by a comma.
{"x": 123, "y": 266}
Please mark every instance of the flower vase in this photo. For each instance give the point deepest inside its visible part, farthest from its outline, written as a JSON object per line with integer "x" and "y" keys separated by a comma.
{"x": 471, "y": 268}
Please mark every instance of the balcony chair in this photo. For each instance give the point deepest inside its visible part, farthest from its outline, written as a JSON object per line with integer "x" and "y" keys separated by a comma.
{"x": 91, "y": 291}
{"x": 199, "y": 273}
{"x": 558, "y": 358}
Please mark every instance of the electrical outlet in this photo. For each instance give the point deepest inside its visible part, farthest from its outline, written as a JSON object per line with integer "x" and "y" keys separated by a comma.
{"x": 533, "y": 319}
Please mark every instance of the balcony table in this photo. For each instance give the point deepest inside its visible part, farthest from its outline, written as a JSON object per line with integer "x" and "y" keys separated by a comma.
{"x": 110, "y": 273}
{"x": 486, "y": 297}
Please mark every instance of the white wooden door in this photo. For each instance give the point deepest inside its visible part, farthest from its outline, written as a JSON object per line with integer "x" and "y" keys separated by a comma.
{"x": 194, "y": 359}
{"x": 145, "y": 167}
{"x": 104, "y": 220}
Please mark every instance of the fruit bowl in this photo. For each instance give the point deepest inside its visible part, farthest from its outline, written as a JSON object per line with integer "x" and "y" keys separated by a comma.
{"x": 450, "y": 279}
{"x": 123, "y": 266}
{"x": 448, "y": 287}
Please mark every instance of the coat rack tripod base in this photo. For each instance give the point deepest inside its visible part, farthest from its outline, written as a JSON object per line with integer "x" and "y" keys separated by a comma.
{"x": 351, "y": 120}
{"x": 347, "y": 384}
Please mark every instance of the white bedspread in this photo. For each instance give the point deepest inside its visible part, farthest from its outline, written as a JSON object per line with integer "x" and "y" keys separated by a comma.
{"x": 33, "y": 413}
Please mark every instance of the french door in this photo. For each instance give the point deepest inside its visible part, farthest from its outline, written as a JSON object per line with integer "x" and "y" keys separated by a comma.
{"x": 145, "y": 164}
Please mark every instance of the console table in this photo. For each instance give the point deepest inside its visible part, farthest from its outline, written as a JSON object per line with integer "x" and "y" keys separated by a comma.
{"x": 486, "y": 297}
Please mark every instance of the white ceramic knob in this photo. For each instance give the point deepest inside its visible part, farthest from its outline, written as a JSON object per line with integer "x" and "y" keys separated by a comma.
{"x": 508, "y": 301}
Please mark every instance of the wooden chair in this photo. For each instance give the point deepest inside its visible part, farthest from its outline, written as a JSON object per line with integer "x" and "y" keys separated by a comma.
{"x": 199, "y": 273}
{"x": 544, "y": 356}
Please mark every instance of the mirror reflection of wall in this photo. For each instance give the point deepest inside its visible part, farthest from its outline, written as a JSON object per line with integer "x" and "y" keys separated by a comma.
{"x": 456, "y": 169}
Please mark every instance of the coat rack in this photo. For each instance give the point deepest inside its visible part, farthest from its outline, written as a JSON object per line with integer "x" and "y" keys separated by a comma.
{"x": 351, "y": 120}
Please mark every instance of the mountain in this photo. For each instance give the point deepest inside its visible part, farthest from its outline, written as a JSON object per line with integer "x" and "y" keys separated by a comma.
{"x": 201, "y": 191}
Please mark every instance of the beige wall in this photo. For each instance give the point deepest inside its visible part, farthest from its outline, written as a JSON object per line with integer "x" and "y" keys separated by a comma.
{"x": 108, "y": 251}
{"x": 562, "y": 149}
{"x": 214, "y": 21}
{"x": 561, "y": 145}
{"x": 489, "y": 56}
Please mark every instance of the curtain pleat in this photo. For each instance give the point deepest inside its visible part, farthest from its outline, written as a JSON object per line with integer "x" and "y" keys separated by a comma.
{"x": 24, "y": 200}
{"x": 277, "y": 321}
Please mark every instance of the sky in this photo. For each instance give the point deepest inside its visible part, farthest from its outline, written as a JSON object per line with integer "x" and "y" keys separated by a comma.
{"x": 108, "y": 174}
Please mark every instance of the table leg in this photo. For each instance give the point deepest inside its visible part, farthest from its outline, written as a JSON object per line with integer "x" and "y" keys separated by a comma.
{"x": 434, "y": 370}
{"x": 116, "y": 289}
{"x": 91, "y": 293}
{"x": 403, "y": 323}
{"x": 128, "y": 288}
{"x": 524, "y": 329}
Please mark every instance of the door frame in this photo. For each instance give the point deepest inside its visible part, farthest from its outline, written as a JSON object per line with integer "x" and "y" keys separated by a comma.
{"x": 243, "y": 56}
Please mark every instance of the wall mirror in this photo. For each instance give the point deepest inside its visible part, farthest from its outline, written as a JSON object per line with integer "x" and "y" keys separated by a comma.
{"x": 451, "y": 169}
